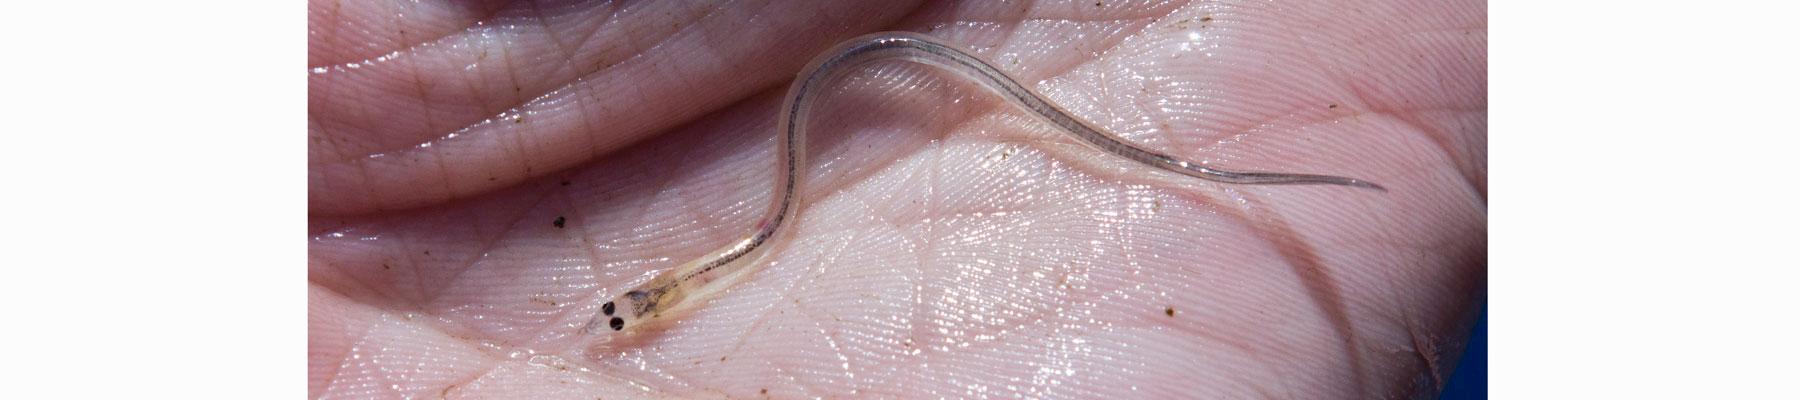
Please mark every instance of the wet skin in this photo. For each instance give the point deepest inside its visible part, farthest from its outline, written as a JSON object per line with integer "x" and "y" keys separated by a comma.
{"x": 951, "y": 246}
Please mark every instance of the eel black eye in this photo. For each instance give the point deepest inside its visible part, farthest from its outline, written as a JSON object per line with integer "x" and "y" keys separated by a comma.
{"x": 607, "y": 308}
{"x": 617, "y": 323}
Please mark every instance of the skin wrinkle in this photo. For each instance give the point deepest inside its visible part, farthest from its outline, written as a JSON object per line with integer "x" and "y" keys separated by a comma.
{"x": 466, "y": 379}
{"x": 1302, "y": 123}
{"x": 584, "y": 93}
{"x": 687, "y": 208}
{"x": 830, "y": 337}
{"x": 375, "y": 198}
{"x": 327, "y": 35}
{"x": 863, "y": 202}
{"x": 901, "y": 90}
{"x": 457, "y": 381}
{"x": 471, "y": 87}
{"x": 696, "y": 27}
{"x": 1320, "y": 283}
{"x": 643, "y": 208}
{"x": 1445, "y": 145}
{"x": 1412, "y": 33}
{"x": 369, "y": 190}
{"x": 586, "y": 104}
{"x": 839, "y": 191}
{"x": 517, "y": 152}
{"x": 1242, "y": 346}
{"x": 344, "y": 292}
{"x": 666, "y": 184}
{"x": 787, "y": 295}
{"x": 1019, "y": 16}
{"x": 473, "y": 121}
{"x": 345, "y": 59}
{"x": 1389, "y": 239}
{"x": 805, "y": 309}
{"x": 556, "y": 40}
{"x": 1437, "y": 354}
{"x": 885, "y": 164}
{"x": 579, "y": 229}
{"x": 1040, "y": 316}
{"x": 1274, "y": 230}
{"x": 414, "y": 266}
{"x": 1108, "y": 45}
{"x": 483, "y": 248}
{"x": 323, "y": 138}
{"x": 992, "y": 104}
{"x": 323, "y": 381}
{"x": 1261, "y": 387}
{"x": 528, "y": 166}
{"x": 1361, "y": 90}
{"x": 1247, "y": 123}
{"x": 337, "y": 367}
{"x": 510, "y": 71}
{"x": 362, "y": 337}
{"x": 1427, "y": 351}
{"x": 1021, "y": 89}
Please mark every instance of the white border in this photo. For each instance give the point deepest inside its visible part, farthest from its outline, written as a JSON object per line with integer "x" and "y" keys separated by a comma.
{"x": 1642, "y": 199}
{"x": 1642, "y": 174}
{"x": 154, "y": 172}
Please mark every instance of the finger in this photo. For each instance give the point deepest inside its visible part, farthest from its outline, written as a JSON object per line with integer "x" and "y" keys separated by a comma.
{"x": 442, "y": 111}
{"x": 642, "y": 212}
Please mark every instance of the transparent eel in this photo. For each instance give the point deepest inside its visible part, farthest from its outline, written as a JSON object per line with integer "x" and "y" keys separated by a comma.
{"x": 678, "y": 288}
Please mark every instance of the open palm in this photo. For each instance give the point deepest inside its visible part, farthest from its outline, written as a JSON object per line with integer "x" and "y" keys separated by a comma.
{"x": 484, "y": 174}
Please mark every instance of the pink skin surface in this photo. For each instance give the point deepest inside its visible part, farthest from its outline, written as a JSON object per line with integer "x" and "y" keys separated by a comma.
{"x": 483, "y": 175}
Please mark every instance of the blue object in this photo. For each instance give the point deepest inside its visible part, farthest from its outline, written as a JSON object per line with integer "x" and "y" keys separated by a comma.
{"x": 1470, "y": 379}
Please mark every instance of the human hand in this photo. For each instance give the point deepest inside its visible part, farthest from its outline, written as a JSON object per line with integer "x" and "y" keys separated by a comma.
{"x": 950, "y": 247}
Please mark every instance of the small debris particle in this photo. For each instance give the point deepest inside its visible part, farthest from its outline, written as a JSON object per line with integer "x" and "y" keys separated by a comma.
{"x": 559, "y": 222}
{"x": 1331, "y": 106}
{"x": 385, "y": 266}
{"x": 491, "y": 179}
{"x": 765, "y": 391}
{"x": 1206, "y": 18}
{"x": 721, "y": 358}
{"x": 519, "y": 119}
{"x": 543, "y": 298}
{"x": 1170, "y": 311}
{"x": 1096, "y": 4}
{"x": 565, "y": 182}
{"x": 428, "y": 252}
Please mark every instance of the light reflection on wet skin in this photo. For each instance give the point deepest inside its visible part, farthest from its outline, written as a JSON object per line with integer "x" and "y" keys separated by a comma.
{"x": 667, "y": 294}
